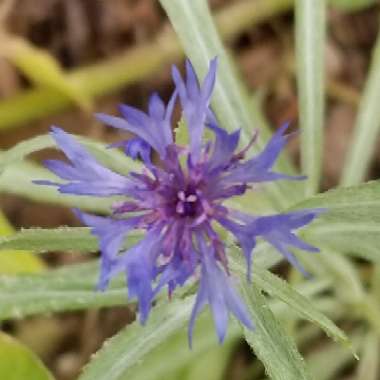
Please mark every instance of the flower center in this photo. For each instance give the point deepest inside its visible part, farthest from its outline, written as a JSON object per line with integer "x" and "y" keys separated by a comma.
{"x": 187, "y": 204}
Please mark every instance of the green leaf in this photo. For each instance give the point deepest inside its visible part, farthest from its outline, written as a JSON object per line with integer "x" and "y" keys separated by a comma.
{"x": 19, "y": 363}
{"x": 126, "y": 349}
{"x": 194, "y": 26}
{"x": 364, "y": 139}
{"x": 304, "y": 307}
{"x": 206, "y": 359}
{"x": 57, "y": 239}
{"x": 61, "y": 239}
{"x": 42, "y": 69}
{"x": 12, "y": 261}
{"x": 351, "y": 223}
{"x": 298, "y": 302}
{"x": 310, "y": 46}
{"x": 69, "y": 288}
{"x": 270, "y": 342}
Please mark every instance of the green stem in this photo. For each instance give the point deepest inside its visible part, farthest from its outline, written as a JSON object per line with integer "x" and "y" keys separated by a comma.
{"x": 310, "y": 46}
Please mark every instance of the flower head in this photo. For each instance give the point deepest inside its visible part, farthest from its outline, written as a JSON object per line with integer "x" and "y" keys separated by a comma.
{"x": 180, "y": 202}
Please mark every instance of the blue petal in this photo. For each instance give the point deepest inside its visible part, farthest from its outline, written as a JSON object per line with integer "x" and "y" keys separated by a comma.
{"x": 177, "y": 271}
{"x": 274, "y": 147}
{"x": 258, "y": 169}
{"x": 224, "y": 147}
{"x": 287, "y": 221}
{"x": 135, "y": 148}
{"x": 278, "y": 231}
{"x": 200, "y": 303}
{"x": 212, "y": 276}
{"x": 216, "y": 289}
{"x": 111, "y": 234}
{"x": 195, "y": 102}
{"x": 156, "y": 107}
{"x": 277, "y": 243}
{"x": 144, "y": 131}
{"x": 86, "y": 175}
{"x": 154, "y": 129}
{"x": 140, "y": 267}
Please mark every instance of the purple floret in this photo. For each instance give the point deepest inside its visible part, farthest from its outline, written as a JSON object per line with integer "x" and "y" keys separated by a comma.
{"x": 180, "y": 202}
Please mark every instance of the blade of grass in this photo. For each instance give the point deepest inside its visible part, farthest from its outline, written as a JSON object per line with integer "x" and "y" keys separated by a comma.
{"x": 364, "y": 139}
{"x": 310, "y": 45}
{"x": 130, "y": 67}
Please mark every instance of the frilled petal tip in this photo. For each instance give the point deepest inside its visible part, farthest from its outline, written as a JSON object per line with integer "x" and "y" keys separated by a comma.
{"x": 83, "y": 173}
{"x": 278, "y": 230}
{"x": 195, "y": 100}
{"x": 259, "y": 168}
{"x": 217, "y": 290}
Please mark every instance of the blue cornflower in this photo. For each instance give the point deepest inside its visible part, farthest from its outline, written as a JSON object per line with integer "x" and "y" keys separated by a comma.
{"x": 180, "y": 202}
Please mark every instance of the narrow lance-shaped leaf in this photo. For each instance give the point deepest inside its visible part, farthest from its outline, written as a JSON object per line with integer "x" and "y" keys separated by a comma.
{"x": 351, "y": 223}
{"x": 61, "y": 239}
{"x": 310, "y": 46}
{"x": 280, "y": 289}
{"x": 206, "y": 359}
{"x": 367, "y": 126}
{"x": 70, "y": 288}
{"x": 56, "y": 239}
{"x": 300, "y": 304}
{"x": 129, "y": 346}
{"x": 270, "y": 342}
